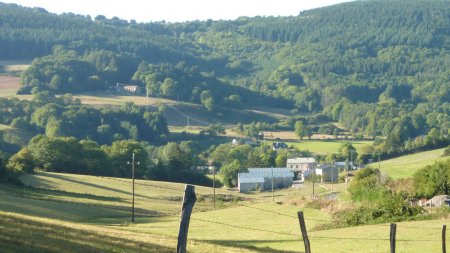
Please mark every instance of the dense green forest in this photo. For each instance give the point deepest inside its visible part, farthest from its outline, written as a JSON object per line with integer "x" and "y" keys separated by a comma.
{"x": 380, "y": 68}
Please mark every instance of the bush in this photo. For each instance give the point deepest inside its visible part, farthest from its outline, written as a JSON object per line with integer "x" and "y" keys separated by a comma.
{"x": 21, "y": 162}
{"x": 366, "y": 185}
{"x": 446, "y": 151}
{"x": 3, "y": 161}
{"x": 391, "y": 208}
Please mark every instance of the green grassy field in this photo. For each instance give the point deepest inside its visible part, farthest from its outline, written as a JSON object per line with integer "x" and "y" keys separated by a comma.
{"x": 91, "y": 214}
{"x": 4, "y": 127}
{"x": 406, "y": 166}
{"x": 14, "y": 66}
{"x": 325, "y": 147}
{"x": 23, "y": 233}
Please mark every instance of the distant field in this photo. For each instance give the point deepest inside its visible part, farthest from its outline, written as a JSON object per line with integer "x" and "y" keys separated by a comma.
{"x": 407, "y": 165}
{"x": 177, "y": 112}
{"x": 9, "y": 85}
{"x": 4, "y": 127}
{"x": 325, "y": 147}
{"x": 14, "y": 66}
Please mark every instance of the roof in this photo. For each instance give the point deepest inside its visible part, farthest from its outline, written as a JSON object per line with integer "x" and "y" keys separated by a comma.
{"x": 301, "y": 160}
{"x": 268, "y": 170}
{"x": 250, "y": 178}
{"x": 257, "y": 175}
{"x": 325, "y": 167}
{"x": 279, "y": 145}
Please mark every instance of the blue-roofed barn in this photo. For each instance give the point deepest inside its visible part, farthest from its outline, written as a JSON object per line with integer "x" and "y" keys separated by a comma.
{"x": 261, "y": 179}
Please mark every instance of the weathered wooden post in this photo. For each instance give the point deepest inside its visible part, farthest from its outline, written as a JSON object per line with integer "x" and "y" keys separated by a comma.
{"x": 186, "y": 210}
{"x": 444, "y": 248}
{"x": 301, "y": 220}
{"x": 392, "y": 236}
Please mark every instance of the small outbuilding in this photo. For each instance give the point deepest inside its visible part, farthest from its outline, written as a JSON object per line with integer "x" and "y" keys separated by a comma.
{"x": 327, "y": 173}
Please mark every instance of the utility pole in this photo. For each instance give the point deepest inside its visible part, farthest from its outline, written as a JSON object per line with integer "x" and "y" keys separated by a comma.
{"x": 273, "y": 195}
{"x": 214, "y": 185}
{"x": 132, "y": 176}
{"x": 314, "y": 182}
{"x": 379, "y": 163}
{"x": 351, "y": 156}
{"x": 351, "y": 163}
{"x": 331, "y": 168}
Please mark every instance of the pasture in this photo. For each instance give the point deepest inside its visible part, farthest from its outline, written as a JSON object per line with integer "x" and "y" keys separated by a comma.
{"x": 406, "y": 166}
{"x": 13, "y": 66}
{"x": 93, "y": 214}
{"x": 23, "y": 233}
{"x": 9, "y": 85}
{"x": 326, "y": 147}
{"x": 4, "y": 127}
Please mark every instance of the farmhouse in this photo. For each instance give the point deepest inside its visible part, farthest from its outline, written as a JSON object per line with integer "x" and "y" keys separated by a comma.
{"x": 300, "y": 165}
{"x": 327, "y": 173}
{"x": 438, "y": 201}
{"x": 261, "y": 179}
{"x": 129, "y": 89}
{"x": 279, "y": 145}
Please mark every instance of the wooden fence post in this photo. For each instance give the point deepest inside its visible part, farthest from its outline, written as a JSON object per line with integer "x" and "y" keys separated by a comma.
{"x": 392, "y": 236}
{"x": 186, "y": 210}
{"x": 301, "y": 220}
{"x": 444, "y": 248}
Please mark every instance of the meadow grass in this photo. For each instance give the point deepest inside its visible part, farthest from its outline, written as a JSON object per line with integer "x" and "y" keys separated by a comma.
{"x": 406, "y": 166}
{"x": 152, "y": 198}
{"x": 4, "y": 127}
{"x": 22, "y": 233}
{"x": 10, "y": 92}
{"x": 325, "y": 146}
{"x": 86, "y": 207}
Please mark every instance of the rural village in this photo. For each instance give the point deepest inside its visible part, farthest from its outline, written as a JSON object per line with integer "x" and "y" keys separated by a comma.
{"x": 323, "y": 130}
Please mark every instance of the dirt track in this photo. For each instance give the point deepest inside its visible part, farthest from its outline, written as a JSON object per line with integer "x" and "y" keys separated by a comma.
{"x": 9, "y": 82}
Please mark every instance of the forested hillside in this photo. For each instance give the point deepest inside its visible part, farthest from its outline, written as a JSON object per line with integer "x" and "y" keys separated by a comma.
{"x": 378, "y": 67}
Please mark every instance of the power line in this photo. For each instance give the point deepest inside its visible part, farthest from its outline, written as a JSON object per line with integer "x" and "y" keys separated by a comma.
{"x": 411, "y": 227}
{"x": 241, "y": 227}
{"x": 187, "y": 116}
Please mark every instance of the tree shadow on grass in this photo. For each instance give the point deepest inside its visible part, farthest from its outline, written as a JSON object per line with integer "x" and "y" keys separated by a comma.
{"x": 22, "y": 235}
{"x": 99, "y": 186}
{"x": 247, "y": 244}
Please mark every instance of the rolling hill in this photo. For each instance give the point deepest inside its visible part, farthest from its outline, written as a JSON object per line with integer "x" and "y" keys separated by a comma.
{"x": 406, "y": 166}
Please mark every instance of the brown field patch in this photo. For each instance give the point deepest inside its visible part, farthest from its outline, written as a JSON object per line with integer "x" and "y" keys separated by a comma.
{"x": 9, "y": 82}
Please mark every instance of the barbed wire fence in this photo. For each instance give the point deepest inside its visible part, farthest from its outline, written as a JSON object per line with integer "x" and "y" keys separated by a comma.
{"x": 306, "y": 239}
{"x": 300, "y": 236}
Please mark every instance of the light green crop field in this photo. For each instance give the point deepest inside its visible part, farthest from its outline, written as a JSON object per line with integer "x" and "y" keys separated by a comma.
{"x": 77, "y": 213}
{"x": 325, "y": 147}
{"x": 8, "y": 92}
{"x": 4, "y": 127}
{"x": 406, "y": 166}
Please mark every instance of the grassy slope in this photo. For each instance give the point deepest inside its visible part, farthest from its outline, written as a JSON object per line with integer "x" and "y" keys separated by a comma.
{"x": 21, "y": 233}
{"x": 406, "y": 166}
{"x": 103, "y": 204}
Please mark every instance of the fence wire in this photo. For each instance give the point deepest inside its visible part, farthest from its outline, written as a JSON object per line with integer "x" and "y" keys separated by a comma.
{"x": 176, "y": 214}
